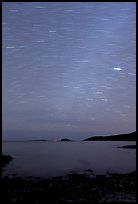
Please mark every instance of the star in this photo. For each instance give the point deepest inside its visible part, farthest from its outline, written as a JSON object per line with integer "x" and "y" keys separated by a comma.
{"x": 117, "y": 68}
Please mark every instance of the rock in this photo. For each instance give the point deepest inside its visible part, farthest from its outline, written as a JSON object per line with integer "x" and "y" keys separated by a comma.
{"x": 6, "y": 159}
{"x": 128, "y": 146}
{"x": 13, "y": 200}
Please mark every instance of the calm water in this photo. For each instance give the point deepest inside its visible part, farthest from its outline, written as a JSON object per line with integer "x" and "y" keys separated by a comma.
{"x": 46, "y": 159}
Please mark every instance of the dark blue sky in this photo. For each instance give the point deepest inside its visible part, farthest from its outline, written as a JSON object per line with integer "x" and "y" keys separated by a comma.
{"x": 68, "y": 69}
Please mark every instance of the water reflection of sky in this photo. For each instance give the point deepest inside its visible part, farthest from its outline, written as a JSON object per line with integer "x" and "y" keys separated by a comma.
{"x": 54, "y": 159}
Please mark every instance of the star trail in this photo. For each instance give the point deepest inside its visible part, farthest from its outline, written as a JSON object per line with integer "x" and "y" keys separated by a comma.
{"x": 68, "y": 69}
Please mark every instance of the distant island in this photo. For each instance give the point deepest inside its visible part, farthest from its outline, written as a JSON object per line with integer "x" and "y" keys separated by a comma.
{"x": 65, "y": 140}
{"x": 122, "y": 137}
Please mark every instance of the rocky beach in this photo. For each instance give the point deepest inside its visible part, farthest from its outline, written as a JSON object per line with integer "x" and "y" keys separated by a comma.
{"x": 72, "y": 188}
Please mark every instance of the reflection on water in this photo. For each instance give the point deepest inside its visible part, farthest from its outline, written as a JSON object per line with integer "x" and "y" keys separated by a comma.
{"x": 45, "y": 159}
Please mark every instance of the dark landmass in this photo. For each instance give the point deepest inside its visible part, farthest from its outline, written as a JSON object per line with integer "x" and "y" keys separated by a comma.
{"x": 128, "y": 147}
{"x": 65, "y": 139}
{"x": 75, "y": 188}
{"x": 6, "y": 159}
{"x": 122, "y": 137}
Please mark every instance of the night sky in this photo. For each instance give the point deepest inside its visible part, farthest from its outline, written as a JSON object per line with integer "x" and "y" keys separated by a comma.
{"x": 69, "y": 69}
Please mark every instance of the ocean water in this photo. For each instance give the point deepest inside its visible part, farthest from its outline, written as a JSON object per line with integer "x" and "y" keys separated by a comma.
{"x": 48, "y": 159}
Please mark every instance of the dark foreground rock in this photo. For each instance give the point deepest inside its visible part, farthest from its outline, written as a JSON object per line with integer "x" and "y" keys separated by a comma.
{"x": 6, "y": 159}
{"x": 75, "y": 188}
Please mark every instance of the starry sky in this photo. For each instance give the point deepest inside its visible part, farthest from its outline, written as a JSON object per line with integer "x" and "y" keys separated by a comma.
{"x": 68, "y": 69}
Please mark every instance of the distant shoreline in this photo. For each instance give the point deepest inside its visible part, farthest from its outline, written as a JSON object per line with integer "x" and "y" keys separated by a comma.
{"x": 122, "y": 137}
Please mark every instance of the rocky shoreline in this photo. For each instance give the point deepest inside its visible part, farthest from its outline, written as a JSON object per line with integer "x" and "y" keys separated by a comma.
{"x": 6, "y": 159}
{"x": 74, "y": 188}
